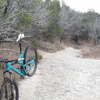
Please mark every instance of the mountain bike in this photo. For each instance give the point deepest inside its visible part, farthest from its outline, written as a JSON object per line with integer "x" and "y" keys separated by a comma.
{"x": 27, "y": 60}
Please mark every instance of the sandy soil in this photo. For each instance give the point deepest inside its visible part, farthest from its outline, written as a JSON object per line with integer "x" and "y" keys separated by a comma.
{"x": 91, "y": 51}
{"x": 63, "y": 75}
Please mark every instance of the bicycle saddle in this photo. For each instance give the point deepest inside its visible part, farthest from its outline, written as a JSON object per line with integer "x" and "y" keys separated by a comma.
{"x": 20, "y": 36}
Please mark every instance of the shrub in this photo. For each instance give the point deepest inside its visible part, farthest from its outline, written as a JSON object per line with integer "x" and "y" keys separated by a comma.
{"x": 54, "y": 29}
{"x": 35, "y": 43}
{"x": 40, "y": 57}
{"x": 24, "y": 20}
{"x": 1, "y": 66}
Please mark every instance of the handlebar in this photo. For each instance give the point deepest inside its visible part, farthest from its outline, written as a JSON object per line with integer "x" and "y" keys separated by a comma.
{"x": 19, "y": 38}
{"x": 22, "y": 36}
{"x": 3, "y": 60}
{"x": 6, "y": 60}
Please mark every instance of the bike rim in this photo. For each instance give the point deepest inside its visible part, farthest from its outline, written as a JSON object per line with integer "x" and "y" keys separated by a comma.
{"x": 30, "y": 68}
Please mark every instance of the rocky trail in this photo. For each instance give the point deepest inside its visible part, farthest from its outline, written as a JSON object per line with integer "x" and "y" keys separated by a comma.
{"x": 63, "y": 75}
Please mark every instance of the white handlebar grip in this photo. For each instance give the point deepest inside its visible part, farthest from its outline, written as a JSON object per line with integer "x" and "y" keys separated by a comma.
{"x": 20, "y": 36}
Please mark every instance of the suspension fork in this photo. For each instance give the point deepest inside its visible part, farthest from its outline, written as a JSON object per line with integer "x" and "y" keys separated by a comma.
{"x": 5, "y": 75}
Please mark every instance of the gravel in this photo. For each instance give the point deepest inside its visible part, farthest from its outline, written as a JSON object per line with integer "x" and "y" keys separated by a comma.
{"x": 63, "y": 75}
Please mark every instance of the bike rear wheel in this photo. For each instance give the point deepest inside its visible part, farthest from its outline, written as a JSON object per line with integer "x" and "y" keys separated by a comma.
{"x": 30, "y": 57}
{"x": 9, "y": 90}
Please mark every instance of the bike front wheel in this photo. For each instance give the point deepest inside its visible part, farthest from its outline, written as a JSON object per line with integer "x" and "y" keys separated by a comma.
{"x": 9, "y": 90}
{"x": 31, "y": 59}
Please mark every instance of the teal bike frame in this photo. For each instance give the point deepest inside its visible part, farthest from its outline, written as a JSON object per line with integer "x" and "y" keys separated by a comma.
{"x": 21, "y": 62}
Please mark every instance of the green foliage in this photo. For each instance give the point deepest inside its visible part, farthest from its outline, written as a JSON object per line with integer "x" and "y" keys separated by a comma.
{"x": 89, "y": 19}
{"x": 35, "y": 43}
{"x": 54, "y": 8}
{"x": 90, "y": 16}
{"x": 48, "y": 35}
{"x": 35, "y": 3}
{"x": 0, "y": 66}
{"x": 40, "y": 57}
{"x": 54, "y": 28}
{"x": 24, "y": 20}
{"x": 2, "y": 3}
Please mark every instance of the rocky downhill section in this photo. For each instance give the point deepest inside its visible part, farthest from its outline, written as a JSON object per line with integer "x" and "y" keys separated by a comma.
{"x": 63, "y": 75}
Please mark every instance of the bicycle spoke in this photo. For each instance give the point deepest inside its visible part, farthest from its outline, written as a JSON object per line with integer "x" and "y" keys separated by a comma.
{"x": 30, "y": 61}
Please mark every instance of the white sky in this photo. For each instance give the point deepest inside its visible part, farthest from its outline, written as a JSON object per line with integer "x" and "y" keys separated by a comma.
{"x": 83, "y": 5}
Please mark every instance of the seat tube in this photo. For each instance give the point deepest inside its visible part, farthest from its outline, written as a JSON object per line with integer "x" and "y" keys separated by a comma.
{"x": 20, "y": 46}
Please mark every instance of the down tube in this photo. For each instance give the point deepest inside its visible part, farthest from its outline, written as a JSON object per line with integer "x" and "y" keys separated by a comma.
{"x": 14, "y": 69}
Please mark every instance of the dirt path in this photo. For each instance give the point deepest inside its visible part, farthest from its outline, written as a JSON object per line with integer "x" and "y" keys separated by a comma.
{"x": 63, "y": 75}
